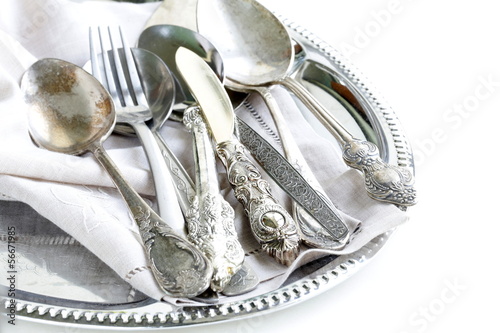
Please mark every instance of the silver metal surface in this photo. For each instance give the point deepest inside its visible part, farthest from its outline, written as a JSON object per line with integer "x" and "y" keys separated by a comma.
{"x": 49, "y": 87}
{"x": 271, "y": 224}
{"x": 164, "y": 40}
{"x": 158, "y": 82}
{"x": 254, "y": 58}
{"x": 294, "y": 184}
{"x": 319, "y": 60}
{"x": 132, "y": 108}
{"x": 211, "y": 219}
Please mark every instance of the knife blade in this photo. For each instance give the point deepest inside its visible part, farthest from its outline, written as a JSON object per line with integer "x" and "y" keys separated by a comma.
{"x": 271, "y": 224}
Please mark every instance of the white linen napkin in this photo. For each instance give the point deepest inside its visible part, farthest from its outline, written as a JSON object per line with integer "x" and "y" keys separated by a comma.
{"x": 76, "y": 194}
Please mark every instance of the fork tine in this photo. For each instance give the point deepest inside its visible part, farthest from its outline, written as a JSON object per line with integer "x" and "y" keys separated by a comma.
{"x": 108, "y": 80}
{"x": 128, "y": 97}
{"x": 94, "y": 60}
{"x": 132, "y": 70}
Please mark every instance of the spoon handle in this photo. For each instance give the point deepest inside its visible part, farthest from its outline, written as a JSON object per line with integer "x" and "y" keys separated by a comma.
{"x": 211, "y": 221}
{"x": 271, "y": 224}
{"x": 383, "y": 182}
{"x": 179, "y": 267}
{"x": 168, "y": 206}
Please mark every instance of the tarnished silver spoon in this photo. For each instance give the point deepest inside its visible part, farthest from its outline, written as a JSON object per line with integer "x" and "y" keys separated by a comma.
{"x": 258, "y": 52}
{"x": 70, "y": 112}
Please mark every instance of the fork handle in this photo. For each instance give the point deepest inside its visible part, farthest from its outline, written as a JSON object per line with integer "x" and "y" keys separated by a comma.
{"x": 168, "y": 206}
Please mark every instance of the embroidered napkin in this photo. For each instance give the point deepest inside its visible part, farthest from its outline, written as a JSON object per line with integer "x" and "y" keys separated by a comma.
{"x": 76, "y": 194}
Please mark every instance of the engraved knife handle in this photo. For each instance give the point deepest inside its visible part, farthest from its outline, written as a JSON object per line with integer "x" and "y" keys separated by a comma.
{"x": 383, "y": 182}
{"x": 180, "y": 269}
{"x": 271, "y": 224}
{"x": 211, "y": 219}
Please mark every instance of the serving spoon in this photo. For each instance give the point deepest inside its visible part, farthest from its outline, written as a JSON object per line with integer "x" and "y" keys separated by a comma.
{"x": 258, "y": 53}
{"x": 70, "y": 112}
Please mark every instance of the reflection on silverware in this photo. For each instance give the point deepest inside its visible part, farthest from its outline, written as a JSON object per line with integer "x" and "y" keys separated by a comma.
{"x": 239, "y": 30}
{"x": 50, "y": 86}
{"x": 271, "y": 224}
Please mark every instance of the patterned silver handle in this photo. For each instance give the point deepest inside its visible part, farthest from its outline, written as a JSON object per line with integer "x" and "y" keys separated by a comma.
{"x": 271, "y": 224}
{"x": 179, "y": 267}
{"x": 383, "y": 182}
{"x": 211, "y": 218}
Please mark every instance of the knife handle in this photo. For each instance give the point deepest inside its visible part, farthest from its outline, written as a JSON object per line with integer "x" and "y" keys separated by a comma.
{"x": 271, "y": 224}
{"x": 211, "y": 218}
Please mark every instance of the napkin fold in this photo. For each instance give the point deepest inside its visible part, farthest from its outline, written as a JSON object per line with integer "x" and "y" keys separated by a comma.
{"x": 76, "y": 194}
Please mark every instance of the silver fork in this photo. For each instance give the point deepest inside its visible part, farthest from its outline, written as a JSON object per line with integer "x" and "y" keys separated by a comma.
{"x": 121, "y": 78}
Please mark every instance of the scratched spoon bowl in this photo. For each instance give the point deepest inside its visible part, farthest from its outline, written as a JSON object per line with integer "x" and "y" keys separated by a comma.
{"x": 70, "y": 112}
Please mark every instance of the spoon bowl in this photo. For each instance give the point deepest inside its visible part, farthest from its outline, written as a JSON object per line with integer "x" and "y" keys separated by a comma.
{"x": 252, "y": 55}
{"x": 62, "y": 116}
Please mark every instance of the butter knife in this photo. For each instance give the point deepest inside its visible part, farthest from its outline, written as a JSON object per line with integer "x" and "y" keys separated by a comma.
{"x": 271, "y": 224}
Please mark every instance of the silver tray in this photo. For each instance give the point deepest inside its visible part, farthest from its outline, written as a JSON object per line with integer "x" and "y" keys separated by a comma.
{"x": 97, "y": 296}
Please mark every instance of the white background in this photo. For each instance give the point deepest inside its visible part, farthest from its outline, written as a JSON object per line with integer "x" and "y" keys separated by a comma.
{"x": 437, "y": 64}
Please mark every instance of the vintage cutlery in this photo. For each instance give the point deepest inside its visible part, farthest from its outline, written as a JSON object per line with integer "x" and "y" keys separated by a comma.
{"x": 70, "y": 112}
{"x": 119, "y": 75}
{"x": 158, "y": 85}
{"x": 211, "y": 217}
{"x": 271, "y": 224}
{"x": 164, "y": 40}
{"x": 255, "y": 58}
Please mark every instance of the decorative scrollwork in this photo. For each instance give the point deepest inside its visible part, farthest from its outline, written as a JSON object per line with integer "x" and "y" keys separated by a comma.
{"x": 383, "y": 182}
{"x": 271, "y": 224}
{"x": 292, "y": 182}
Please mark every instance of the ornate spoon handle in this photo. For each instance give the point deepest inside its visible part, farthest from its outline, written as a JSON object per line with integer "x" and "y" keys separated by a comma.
{"x": 211, "y": 221}
{"x": 271, "y": 224}
{"x": 179, "y": 267}
{"x": 383, "y": 182}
